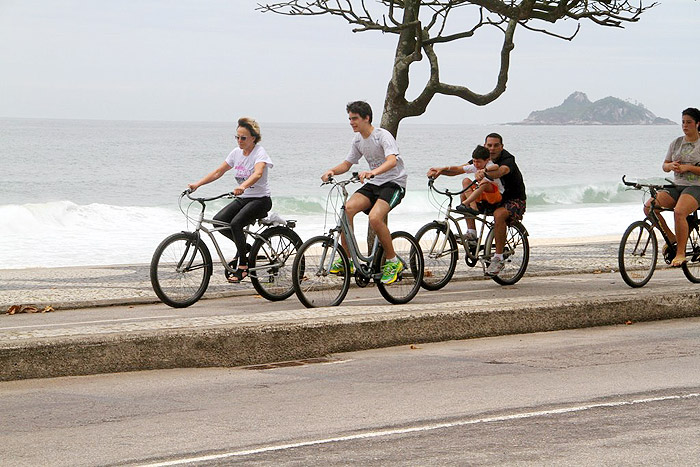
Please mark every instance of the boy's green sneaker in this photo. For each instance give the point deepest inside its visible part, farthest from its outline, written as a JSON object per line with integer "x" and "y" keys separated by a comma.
{"x": 391, "y": 271}
{"x": 337, "y": 267}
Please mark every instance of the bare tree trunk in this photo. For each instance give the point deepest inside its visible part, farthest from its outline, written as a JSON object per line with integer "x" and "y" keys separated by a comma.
{"x": 395, "y": 101}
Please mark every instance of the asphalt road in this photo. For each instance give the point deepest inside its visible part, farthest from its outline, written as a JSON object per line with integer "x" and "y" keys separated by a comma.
{"x": 627, "y": 394}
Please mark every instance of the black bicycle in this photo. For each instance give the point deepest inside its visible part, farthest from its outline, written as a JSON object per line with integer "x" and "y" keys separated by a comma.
{"x": 638, "y": 251}
{"x": 182, "y": 265}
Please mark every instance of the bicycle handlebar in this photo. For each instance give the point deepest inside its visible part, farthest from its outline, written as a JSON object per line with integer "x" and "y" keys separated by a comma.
{"x": 188, "y": 192}
{"x": 447, "y": 192}
{"x": 641, "y": 186}
{"x": 354, "y": 179}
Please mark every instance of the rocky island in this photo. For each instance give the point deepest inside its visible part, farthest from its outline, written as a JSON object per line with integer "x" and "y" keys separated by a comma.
{"x": 577, "y": 109}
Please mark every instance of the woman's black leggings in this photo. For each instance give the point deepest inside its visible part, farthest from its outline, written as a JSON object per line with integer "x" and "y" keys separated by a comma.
{"x": 240, "y": 213}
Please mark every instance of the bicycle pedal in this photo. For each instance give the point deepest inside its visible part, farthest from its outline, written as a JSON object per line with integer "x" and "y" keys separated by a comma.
{"x": 234, "y": 265}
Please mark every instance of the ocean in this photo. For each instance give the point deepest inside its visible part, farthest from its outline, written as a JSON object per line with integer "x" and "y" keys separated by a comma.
{"x": 87, "y": 192}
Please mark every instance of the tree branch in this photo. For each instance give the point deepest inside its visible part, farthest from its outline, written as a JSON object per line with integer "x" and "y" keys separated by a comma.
{"x": 482, "y": 99}
{"x": 418, "y": 34}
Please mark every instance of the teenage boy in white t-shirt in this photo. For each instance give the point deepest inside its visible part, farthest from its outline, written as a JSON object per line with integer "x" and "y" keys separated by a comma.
{"x": 384, "y": 185}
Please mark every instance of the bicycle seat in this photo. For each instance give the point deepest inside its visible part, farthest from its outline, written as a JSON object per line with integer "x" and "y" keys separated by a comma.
{"x": 466, "y": 210}
{"x": 485, "y": 209}
{"x": 275, "y": 219}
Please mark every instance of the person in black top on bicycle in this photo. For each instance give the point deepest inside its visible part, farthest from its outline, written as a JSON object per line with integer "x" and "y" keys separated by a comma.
{"x": 683, "y": 158}
{"x": 512, "y": 206}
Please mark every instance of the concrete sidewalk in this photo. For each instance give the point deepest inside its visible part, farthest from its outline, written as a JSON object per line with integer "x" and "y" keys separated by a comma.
{"x": 566, "y": 287}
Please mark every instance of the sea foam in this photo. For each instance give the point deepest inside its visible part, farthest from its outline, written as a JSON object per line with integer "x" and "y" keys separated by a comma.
{"x": 64, "y": 233}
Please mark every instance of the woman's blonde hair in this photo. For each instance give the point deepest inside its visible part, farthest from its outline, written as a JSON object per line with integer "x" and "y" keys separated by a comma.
{"x": 252, "y": 126}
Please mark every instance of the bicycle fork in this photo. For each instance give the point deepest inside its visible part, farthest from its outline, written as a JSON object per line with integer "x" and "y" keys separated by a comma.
{"x": 185, "y": 264}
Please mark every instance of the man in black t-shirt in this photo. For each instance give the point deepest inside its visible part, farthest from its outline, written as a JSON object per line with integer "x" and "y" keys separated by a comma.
{"x": 512, "y": 207}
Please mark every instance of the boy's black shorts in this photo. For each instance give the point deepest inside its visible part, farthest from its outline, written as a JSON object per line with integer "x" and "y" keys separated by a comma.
{"x": 390, "y": 192}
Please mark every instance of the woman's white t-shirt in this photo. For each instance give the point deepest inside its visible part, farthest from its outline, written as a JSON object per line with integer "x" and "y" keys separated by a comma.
{"x": 244, "y": 166}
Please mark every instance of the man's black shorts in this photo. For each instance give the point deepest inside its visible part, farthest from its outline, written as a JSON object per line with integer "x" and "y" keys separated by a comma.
{"x": 390, "y": 192}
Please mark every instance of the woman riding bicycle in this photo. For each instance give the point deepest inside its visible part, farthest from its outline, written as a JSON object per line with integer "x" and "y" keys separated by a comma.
{"x": 683, "y": 158}
{"x": 251, "y": 163}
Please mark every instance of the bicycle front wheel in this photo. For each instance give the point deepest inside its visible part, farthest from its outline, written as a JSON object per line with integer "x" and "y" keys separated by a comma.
{"x": 691, "y": 268}
{"x": 270, "y": 262}
{"x": 408, "y": 282}
{"x": 440, "y": 255}
{"x": 637, "y": 254}
{"x": 180, "y": 270}
{"x": 516, "y": 253}
{"x": 313, "y": 282}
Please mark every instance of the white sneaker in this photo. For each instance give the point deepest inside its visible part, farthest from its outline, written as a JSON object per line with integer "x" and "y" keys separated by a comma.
{"x": 495, "y": 267}
{"x": 471, "y": 236}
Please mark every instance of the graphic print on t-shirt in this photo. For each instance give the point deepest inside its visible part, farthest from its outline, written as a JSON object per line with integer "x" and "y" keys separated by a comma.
{"x": 686, "y": 157}
{"x": 242, "y": 173}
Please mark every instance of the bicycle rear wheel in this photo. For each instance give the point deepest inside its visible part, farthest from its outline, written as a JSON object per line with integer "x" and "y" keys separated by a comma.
{"x": 637, "y": 254}
{"x": 691, "y": 268}
{"x": 180, "y": 270}
{"x": 440, "y": 255}
{"x": 516, "y": 253}
{"x": 409, "y": 279}
{"x": 314, "y": 285}
{"x": 270, "y": 262}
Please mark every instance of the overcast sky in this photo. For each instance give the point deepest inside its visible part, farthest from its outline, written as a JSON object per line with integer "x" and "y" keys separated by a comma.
{"x": 215, "y": 60}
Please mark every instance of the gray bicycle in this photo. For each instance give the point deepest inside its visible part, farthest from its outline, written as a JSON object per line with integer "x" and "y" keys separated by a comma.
{"x": 316, "y": 285}
{"x": 439, "y": 241}
{"x": 182, "y": 265}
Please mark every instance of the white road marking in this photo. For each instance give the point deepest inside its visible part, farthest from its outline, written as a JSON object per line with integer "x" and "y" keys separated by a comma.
{"x": 415, "y": 429}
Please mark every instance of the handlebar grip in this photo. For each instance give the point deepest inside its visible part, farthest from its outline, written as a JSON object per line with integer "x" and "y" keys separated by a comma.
{"x": 625, "y": 182}
{"x": 356, "y": 176}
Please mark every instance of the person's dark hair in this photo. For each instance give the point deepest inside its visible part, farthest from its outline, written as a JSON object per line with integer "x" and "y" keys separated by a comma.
{"x": 360, "y": 108}
{"x": 252, "y": 126}
{"x": 494, "y": 135}
{"x": 693, "y": 113}
{"x": 481, "y": 152}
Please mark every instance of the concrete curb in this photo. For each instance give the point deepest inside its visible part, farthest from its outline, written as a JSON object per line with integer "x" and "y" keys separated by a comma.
{"x": 237, "y": 345}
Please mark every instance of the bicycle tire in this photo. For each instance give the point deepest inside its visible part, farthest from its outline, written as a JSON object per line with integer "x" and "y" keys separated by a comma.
{"x": 276, "y": 249}
{"x": 176, "y": 287}
{"x": 516, "y": 253}
{"x": 313, "y": 284}
{"x": 438, "y": 266}
{"x": 691, "y": 268}
{"x": 409, "y": 280}
{"x": 637, "y": 254}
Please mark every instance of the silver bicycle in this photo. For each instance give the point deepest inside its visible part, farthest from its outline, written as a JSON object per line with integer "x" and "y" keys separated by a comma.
{"x": 181, "y": 266}
{"x": 316, "y": 285}
{"x": 440, "y": 239}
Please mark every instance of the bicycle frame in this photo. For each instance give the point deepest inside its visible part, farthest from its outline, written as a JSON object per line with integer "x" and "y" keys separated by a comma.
{"x": 655, "y": 210}
{"x": 364, "y": 265}
{"x": 218, "y": 227}
{"x": 486, "y": 226}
